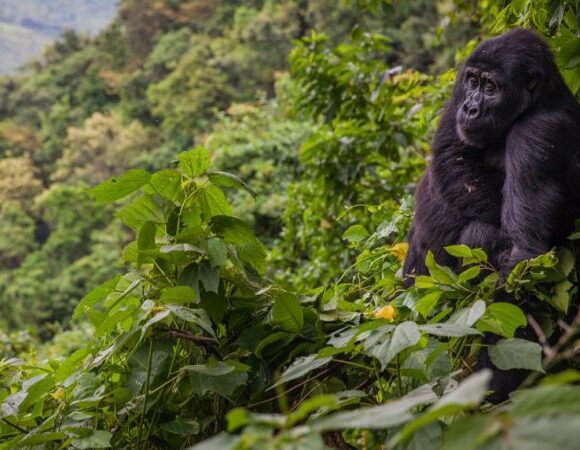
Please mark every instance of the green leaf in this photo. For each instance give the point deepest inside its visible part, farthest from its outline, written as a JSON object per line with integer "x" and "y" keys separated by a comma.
{"x": 546, "y": 400}
{"x": 448, "y": 330}
{"x": 441, "y": 274}
{"x": 516, "y": 354}
{"x": 181, "y": 427}
{"x": 288, "y": 313}
{"x": 209, "y": 277}
{"x": 118, "y": 187}
{"x": 214, "y": 202}
{"x": 390, "y": 345}
{"x": 425, "y": 304}
{"x": 95, "y": 296}
{"x": 146, "y": 236}
{"x": 194, "y": 162}
{"x": 468, "y": 433}
{"x": 553, "y": 432}
{"x": 221, "y": 441}
{"x": 355, "y": 233}
{"x": 388, "y": 415}
{"x": 142, "y": 210}
{"x": 94, "y": 439}
{"x": 229, "y": 180}
{"x": 424, "y": 282}
{"x": 217, "y": 251}
{"x": 460, "y": 251}
{"x": 167, "y": 183}
{"x": 177, "y": 294}
{"x": 468, "y": 394}
{"x": 197, "y": 316}
{"x": 468, "y": 274}
{"x": 503, "y": 319}
{"x": 300, "y": 367}
{"x": 468, "y": 316}
{"x": 561, "y": 297}
{"x": 221, "y": 378}
{"x": 237, "y": 232}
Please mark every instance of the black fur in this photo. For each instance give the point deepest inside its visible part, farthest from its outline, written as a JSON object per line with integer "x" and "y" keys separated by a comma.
{"x": 505, "y": 173}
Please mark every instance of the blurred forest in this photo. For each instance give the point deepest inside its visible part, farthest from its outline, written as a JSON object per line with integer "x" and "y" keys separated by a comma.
{"x": 310, "y": 123}
{"x": 164, "y": 77}
{"x": 27, "y": 26}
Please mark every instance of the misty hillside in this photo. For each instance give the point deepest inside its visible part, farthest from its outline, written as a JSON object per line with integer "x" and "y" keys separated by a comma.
{"x": 26, "y": 26}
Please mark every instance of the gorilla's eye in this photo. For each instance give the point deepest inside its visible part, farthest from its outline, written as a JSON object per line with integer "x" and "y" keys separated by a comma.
{"x": 472, "y": 80}
{"x": 490, "y": 87}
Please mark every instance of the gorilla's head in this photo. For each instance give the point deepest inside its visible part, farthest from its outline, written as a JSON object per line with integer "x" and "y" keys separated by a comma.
{"x": 502, "y": 78}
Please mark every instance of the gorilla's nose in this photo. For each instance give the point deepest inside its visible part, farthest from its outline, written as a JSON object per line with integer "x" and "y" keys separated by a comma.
{"x": 470, "y": 111}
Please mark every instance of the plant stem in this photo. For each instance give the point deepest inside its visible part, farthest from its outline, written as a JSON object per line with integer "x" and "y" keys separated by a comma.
{"x": 149, "y": 362}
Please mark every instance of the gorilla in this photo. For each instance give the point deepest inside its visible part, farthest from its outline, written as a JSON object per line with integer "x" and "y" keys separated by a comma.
{"x": 505, "y": 168}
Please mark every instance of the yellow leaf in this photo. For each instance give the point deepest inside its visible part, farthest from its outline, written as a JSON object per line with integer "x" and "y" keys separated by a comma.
{"x": 386, "y": 312}
{"x": 399, "y": 250}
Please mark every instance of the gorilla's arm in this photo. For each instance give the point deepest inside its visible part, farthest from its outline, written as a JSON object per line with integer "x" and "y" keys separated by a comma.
{"x": 535, "y": 191}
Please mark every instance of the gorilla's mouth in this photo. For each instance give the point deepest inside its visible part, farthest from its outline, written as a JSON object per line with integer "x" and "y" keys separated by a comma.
{"x": 472, "y": 134}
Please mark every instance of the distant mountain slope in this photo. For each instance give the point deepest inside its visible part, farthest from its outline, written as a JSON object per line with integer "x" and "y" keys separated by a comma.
{"x": 26, "y": 26}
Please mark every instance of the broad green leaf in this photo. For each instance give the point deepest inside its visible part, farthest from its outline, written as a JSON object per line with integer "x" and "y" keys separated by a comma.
{"x": 503, "y": 319}
{"x": 546, "y": 400}
{"x": 142, "y": 210}
{"x": 468, "y": 274}
{"x": 388, "y": 415}
{"x": 178, "y": 294}
{"x": 222, "y": 378}
{"x": 448, "y": 330}
{"x": 209, "y": 277}
{"x": 214, "y": 202}
{"x": 288, "y": 313}
{"x": 94, "y": 439}
{"x": 441, "y": 274}
{"x": 229, "y": 180}
{"x": 427, "y": 437}
{"x": 424, "y": 282}
{"x": 468, "y": 394}
{"x": 217, "y": 251}
{"x": 516, "y": 354}
{"x": 460, "y": 251}
{"x": 181, "y": 427}
{"x": 118, "y": 187}
{"x": 469, "y": 433}
{"x": 95, "y": 296}
{"x": 468, "y": 316}
{"x": 237, "y": 232}
{"x": 356, "y": 233}
{"x": 221, "y": 441}
{"x": 559, "y": 432}
{"x": 140, "y": 370}
{"x": 561, "y": 297}
{"x": 404, "y": 336}
{"x": 272, "y": 338}
{"x": 197, "y": 316}
{"x": 146, "y": 236}
{"x": 166, "y": 183}
{"x": 300, "y": 367}
{"x": 425, "y": 304}
{"x": 194, "y": 162}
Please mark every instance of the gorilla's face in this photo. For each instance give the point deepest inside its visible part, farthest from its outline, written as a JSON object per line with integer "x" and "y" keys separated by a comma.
{"x": 487, "y": 107}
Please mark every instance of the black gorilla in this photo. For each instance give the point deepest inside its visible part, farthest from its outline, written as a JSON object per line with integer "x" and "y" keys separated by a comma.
{"x": 505, "y": 173}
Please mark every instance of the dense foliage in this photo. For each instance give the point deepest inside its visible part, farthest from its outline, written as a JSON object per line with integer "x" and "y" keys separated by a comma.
{"x": 203, "y": 214}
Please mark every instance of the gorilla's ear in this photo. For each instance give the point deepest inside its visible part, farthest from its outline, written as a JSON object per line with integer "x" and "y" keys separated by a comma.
{"x": 532, "y": 80}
